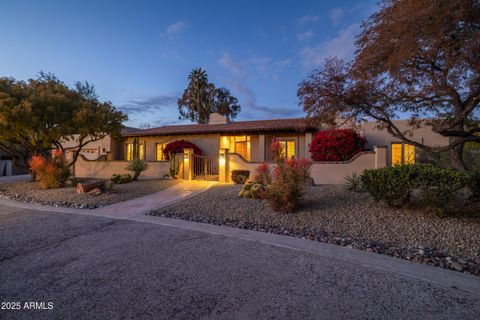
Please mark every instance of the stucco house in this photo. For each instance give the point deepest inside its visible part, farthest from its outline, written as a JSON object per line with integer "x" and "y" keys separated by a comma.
{"x": 244, "y": 144}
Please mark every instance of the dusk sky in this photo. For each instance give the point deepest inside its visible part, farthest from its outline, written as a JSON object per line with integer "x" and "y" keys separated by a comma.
{"x": 138, "y": 54}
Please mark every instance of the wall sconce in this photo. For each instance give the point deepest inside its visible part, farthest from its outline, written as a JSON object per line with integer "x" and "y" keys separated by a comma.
{"x": 185, "y": 156}
{"x": 221, "y": 157}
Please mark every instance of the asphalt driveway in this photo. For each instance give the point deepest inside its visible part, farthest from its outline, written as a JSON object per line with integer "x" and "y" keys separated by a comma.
{"x": 99, "y": 268}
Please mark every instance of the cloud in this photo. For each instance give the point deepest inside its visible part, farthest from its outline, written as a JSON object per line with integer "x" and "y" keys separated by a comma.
{"x": 336, "y": 15}
{"x": 174, "y": 30}
{"x": 342, "y": 46}
{"x": 307, "y": 19}
{"x": 150, "y": 104}
{"x": 255, "y": 65}
{"x": 303, "y": 36}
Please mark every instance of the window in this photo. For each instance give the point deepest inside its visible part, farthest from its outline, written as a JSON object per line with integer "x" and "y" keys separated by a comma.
{"x": 160, "y": 147}
{"x": 130, "y": 155}
{"x": 288, "y": 149}
{"x": 402, "y": 153}
{"x": 237, "y": 144}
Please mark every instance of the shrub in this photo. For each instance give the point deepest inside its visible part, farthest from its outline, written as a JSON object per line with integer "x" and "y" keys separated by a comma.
{"x": 438, "y": 188}
{"x": 276, "y": 149}
{"x": 287, "y": 189}
{"x": 121, "y": 178}
{"x": 392, "y": 185}
{"x": 353, "y": 182}
{"x": 137, "y": 166}
{"x": 109, "y": 185}
{"x": 263, "y": 175}
{"x": 50, "y": 173}
{"x": 258, "y": 191}
{"x": 336, "y": 145}
{"x": 178, "y": 146}
{"x": 240, "y": 176}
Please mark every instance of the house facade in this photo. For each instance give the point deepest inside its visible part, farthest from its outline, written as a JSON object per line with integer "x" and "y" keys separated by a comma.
{"x": 228, "y": 146}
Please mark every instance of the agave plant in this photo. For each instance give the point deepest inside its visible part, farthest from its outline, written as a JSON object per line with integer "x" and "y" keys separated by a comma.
{"x": 137, "y": 166}
{"x": 353, "y": 182}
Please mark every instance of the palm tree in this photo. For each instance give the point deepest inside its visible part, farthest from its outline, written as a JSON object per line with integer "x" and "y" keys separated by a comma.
{"x": 199, "y": 96}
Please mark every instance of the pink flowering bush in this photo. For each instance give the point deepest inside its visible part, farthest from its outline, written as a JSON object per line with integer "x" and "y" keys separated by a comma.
{"x": 263, "y": 174}
{"x": 288, "y": 187}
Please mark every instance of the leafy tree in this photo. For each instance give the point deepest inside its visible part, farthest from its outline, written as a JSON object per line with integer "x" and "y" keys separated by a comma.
{"x": 415, "y": 57}
{"x": 201, "y": 98}
{"x": 38, "y": 115}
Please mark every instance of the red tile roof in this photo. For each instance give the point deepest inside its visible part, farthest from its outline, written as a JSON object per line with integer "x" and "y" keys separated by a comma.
{"x": 284, "y": 125}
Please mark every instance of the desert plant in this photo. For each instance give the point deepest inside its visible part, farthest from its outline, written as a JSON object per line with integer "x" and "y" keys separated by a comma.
{"x": 353, "y": 182}
{"x": 276, "y": 149}
{"x": 336, "y": 145}
{"x": 258, "y": 191}
{"x": 240, "y": 176}
{"x": 109, "y": 185}
{"x": 137, "y": 166}
{"x": 121, "y": 178}
{"x": 286, "y": 191}
{"x": 263, "y": 174}
{"x": 51, "y": 173}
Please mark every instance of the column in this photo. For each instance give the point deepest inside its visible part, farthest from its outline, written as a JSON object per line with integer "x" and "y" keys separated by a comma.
{"x": 380, "y": 156}
{"x": 188, "y": 164}
{"x": 223, "y": 166}
{"x": 261, "y": 148}
{"x": 308, "y": 142}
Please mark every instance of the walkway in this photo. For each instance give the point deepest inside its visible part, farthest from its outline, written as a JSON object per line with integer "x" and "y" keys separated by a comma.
{"x": 130, "y": 208}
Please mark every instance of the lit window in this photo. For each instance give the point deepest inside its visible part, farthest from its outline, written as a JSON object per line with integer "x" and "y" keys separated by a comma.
{"x": 402, "y": 153}
{"x": 240, "y": 145}
{"x": 130, "y": 154}
{"x": 160, "y": 148}
{"x": 288, "y": 149}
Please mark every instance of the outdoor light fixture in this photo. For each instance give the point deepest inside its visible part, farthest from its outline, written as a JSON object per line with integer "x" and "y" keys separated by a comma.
{"x": 185, "y": 155}
{"x": 221, "y": 157}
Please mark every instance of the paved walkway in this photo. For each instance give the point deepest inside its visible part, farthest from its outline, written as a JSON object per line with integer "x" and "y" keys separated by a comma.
{"x": 130, "y": 208}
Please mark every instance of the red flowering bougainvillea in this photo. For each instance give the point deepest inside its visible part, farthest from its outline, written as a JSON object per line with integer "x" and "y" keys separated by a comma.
{"x": 178, "y": 146}
{"x": 336, "y": 145}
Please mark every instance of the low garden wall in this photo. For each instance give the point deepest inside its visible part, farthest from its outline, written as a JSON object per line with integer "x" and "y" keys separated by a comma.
{"x": 105, "y": 169}
{"x": 323, "y": 172}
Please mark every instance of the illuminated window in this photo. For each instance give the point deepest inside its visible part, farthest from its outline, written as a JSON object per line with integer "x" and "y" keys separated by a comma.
{"x": 288, "y": 149}
{"x": 160, "y": 147}
{"x": 130, "y": 154}
{"x": 402, "y": 153}
{"x": 240, "y": 145}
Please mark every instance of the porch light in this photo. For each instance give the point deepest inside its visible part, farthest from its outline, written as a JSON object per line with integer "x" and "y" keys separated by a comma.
{"x": 185, "y": 155}
{"x": 221, "y": 157}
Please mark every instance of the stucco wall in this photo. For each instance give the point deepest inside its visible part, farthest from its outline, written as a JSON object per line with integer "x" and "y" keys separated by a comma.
{"x": 323, "y": 172}
{"x": 379, "y": 137}
{"x": 92, "y": 150}
{"x": 209, "y": 144}
{"x": 105, "y": 169}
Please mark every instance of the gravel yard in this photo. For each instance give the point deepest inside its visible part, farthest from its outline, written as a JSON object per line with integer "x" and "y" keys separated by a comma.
{"x": 334, "y": 215}
{"x": 68, "y": 197}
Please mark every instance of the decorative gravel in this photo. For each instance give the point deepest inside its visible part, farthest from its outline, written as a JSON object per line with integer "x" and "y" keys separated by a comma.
{"x": 334, "y": 215}
{"x": 69, "y": 198}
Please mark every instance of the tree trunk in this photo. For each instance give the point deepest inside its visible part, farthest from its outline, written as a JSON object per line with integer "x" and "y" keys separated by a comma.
{"x": 457, "y": 157}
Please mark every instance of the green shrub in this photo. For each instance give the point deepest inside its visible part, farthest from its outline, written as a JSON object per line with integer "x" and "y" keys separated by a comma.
{"x": 137, "y": 166}
{"x": 392, "y": 185}
{"x": 240, "y": 176}
{"x": 438, "y": 188}
{"x": 109, "y": 185}
{"x": 353, "y": 182}
{"x": 121, "y": 178}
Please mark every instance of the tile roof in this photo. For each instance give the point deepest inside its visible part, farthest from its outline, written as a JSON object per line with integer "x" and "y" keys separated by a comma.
{"x": 285, "y": 125}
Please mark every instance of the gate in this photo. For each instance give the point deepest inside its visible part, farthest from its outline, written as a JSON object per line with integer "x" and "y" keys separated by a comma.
{"x": 205, "y": 167}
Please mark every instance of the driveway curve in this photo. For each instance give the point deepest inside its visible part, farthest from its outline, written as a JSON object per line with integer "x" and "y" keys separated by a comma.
{"x": 91, "y": 267}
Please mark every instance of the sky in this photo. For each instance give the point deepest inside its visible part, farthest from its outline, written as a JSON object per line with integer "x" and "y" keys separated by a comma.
{"x": 138, "y": 54}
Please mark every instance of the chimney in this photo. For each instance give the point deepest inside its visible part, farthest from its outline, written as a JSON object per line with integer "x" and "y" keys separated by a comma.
{"x": 217, "y": 118}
